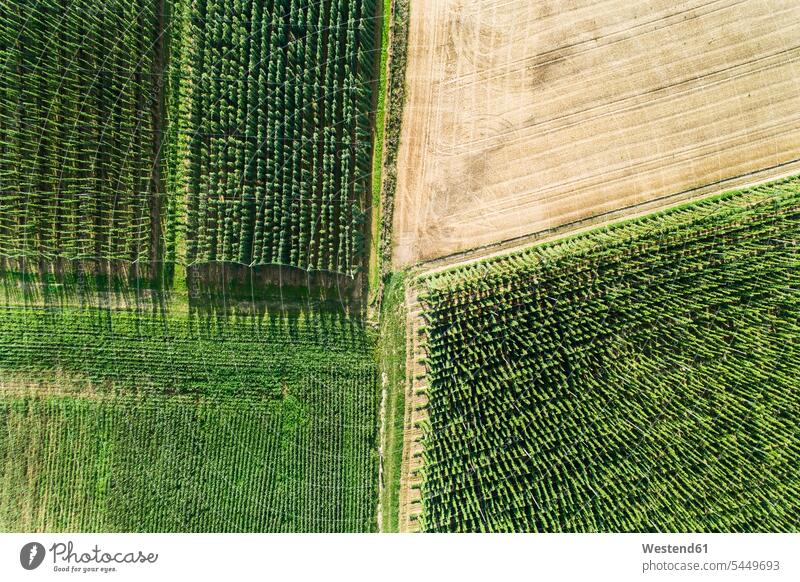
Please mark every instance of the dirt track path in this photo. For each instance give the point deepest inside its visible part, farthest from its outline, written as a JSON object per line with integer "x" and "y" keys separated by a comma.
{"x": 415, "y": 414}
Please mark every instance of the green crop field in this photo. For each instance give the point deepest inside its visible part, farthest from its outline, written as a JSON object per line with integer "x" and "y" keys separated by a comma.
{"x": 170, "y": 417}
{"x": 78, "y": 133}
{"x": 151, "y": 137}
{"x": 188, "y": 131}
{"x": 280, "y": 159}
{"x": 201, "y": 328}
{"x": 642, "y": 377}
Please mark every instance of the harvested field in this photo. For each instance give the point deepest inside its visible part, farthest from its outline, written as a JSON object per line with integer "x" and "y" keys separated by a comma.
{"x": 520, "y": 120}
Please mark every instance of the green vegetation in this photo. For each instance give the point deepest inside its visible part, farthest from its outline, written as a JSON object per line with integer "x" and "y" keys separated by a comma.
{"x": 280, "y": 131}
{"x": 232, "y": 355}
{"x": 398, "y": 41}
{"x": 226, "y": 145}
{"x": 167, "y": 464}
{"x": 79, "y": 131}
{"x": 392, "y": 358}
{"x": 639, "y": 377}
{"x": 246, "y": 122}
{"x": 377, "y": 153}
{"x": 183, "y": 417}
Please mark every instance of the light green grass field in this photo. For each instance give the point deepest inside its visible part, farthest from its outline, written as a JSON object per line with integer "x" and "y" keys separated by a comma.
{"x": 174, "y": 418}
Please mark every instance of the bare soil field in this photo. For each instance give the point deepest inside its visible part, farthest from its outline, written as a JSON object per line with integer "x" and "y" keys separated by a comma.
{"x": 527, "y": 117}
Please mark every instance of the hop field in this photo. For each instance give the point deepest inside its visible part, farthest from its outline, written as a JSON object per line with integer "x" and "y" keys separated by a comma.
{"x": 280, "y": 131}
{"x": 79, "y": 135}
{"x": 187, "y": 131}
{"x": 642, "y": 377}
{"x": 172, "y": 420}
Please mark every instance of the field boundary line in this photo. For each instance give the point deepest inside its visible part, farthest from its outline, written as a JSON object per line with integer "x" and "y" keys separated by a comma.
{"x": 516, "y": 244}
{"x": 415, "y": 416}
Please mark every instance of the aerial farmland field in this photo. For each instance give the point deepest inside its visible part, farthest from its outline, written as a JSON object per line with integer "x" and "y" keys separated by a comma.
{"x": 142, "y": 411}
{"x": 522, "y": 118}
{"x": 639, "y": 377}
{"x": 399, "y": 266}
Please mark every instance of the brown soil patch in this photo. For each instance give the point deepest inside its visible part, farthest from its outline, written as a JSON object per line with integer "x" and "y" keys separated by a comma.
{"x": 527, "y": 117}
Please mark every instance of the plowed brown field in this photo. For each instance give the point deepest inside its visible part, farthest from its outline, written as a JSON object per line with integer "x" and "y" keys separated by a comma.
{"x": 523, "y": 117}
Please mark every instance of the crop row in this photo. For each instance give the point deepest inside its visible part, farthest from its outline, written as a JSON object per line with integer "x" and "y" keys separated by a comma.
{"x": 639, "y": 377}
